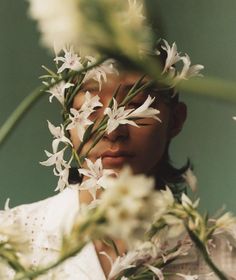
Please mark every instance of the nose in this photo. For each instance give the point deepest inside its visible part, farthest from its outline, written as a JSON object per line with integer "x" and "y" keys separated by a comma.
{"x": 121, "y": 133}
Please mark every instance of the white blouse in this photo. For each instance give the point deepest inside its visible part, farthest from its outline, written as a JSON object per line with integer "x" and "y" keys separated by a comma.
{"x": 44, "y": 221}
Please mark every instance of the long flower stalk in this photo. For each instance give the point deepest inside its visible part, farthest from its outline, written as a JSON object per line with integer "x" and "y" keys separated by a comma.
{"x": 29, "y": 100}
{"x": 202, "y": 249}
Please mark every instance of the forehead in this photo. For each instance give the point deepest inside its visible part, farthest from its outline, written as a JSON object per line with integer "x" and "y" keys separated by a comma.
{"x": 125, "y": 81}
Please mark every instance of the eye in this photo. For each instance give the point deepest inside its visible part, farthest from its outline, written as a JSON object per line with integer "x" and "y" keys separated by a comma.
{"x": 134, "y": 105}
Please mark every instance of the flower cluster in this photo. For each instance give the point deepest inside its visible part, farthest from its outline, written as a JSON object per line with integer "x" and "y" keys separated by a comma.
{"x": 73, "y": 72}
{"x": 81, "y": 24}
{"x": 156, "y": 235}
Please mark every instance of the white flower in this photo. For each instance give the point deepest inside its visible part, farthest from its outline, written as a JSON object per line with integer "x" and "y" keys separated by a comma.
{"x": 188, "y": 277}
{"x": 226, "y": 221}
{"x": 120, "y": 115}
{"x": 190, "y": 179}
{"x": 134, "y": 16}
{"x": 172, "y": 56}
{"x": 55, "y": 158}
{"x": 13, "y": 234}
{"x": 122, "y": 263}
{"x": 175, "y": 226}
{"x": 96, "y": 176}
{"x": 144, "y": 111}
{"x": 63, "y": 174}
{"x": 189, "y": 71}
{"x": 187, "y": 203}
{"x": 99, "y": 73}
{"x": 164, "y": 200}
{"x": 58, "y": 91}
{"x": 58, "y": 21}
{"x": 124, "y": 202}
{"x": 71, "y": 60}
{"x": 117, "y": 116}
{"x": 6, "y": 205}
{"x": 79, "y": 120}
{"x": 90, "y": 103}
{"x": 156, "y": 271}
{"x": 58, "y": 133}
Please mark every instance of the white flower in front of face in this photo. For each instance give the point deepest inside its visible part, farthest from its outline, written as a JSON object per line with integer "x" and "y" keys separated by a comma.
{"x": 99, "y": 73}
{"x": 124, "y": 203}
{"x": 90, "y": 103}
{"x": 120, "y": 115}
{"x": 117, "y": 116}
{"x": 189, "y": 71}
{"x": 58, "y": 91}
{"x": 59, "y": 134}
{"x": 188, "y": 277}
{"x": 63, "y": 174}
{"x": 70, "y": 60}
{"x": 172, "y": 56}
{"x": 145, "y": 111}
{"x": 56, "y": 159}
{"x": 79, "y": 120}
{"x": 96, "y": 176}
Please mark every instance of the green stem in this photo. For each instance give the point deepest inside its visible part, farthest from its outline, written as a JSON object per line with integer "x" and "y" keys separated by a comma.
{"x": 28, "y": 101}
{"x": 202, "y": 249}
{"x": 34, "y": 274}
{"x": 22, "y": 108}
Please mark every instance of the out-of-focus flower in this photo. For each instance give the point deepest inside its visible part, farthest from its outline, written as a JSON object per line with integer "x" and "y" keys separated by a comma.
{"x": 190, "y": 179}
{"x": 99, "y": 73}
{"x": 124, "y": 205}
{"x": 59, "y": 135}
{"x": 70, "y": 60}
{"x": 135, "y": 14}
{"x": 226, "y": 221}
{"x": 96, "y": 176}
{"x": 58, "y": 21}
{"x": 187, "y": 203}
{"x": 13, "y": 234}
{"x": 58, "y": 90}
{"x": 175, "y": 226}
{"x": 79, "y": 120}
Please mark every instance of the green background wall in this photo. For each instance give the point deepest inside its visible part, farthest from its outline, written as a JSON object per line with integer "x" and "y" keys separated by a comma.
{"x": 205, "y": 29}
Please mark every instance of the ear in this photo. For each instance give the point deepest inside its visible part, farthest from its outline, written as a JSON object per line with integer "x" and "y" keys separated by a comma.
{"x": 177, "y": 118}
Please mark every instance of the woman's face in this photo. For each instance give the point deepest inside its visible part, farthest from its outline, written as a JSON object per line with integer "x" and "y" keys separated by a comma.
{"x": 140, "y": 147}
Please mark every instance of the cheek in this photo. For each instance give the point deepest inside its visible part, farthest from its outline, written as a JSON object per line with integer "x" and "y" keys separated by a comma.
{"x": 149, "y": 143}
{"x": 74, "y": 138}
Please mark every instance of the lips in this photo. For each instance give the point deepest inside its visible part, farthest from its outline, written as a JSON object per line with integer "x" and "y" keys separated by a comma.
{"x": 115, "y": 158}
